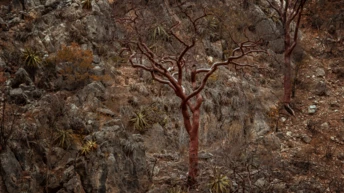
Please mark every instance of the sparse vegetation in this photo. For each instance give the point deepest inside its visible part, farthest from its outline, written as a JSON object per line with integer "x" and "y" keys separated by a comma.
{"x": 159, "y": 33}
{"x": 75, "y": 65}
{"x": 176, "y": 189}
{"x": 32, "y": 60}
{"x": 219, "y": 183}
{"x": 64, "y": 138}
{"x": 139, "y": 121}
{"x": 88, "y": 147}
{"x": 87, "y": 4}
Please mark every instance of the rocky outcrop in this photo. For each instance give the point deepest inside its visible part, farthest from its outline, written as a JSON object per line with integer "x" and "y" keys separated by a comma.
{"x": 11, "y": 171}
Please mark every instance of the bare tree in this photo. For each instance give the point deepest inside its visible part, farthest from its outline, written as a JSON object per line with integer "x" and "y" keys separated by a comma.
{"x": 288, "y": 11}
{"x": 173, "y": 69}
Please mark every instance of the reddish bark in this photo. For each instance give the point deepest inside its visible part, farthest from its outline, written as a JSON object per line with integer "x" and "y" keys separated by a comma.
{"x": 159, "y": 67}
{"x": 190, "y": 109}
{"x": 288, "y": 11}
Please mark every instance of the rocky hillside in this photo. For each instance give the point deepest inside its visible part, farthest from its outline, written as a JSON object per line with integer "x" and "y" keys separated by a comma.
{"x": 77, "y": 118}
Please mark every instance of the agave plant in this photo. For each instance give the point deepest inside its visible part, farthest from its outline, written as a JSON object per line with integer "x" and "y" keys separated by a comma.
{"x": 32, "y": 60}
{"x": 87, "y": 4}
{"x": 139, "y": 121}
{"x": 88, "y": 147}
{"x": 159, "y": 33}
{"x": 64, "y": 138}
{"x": 219, "y": 183}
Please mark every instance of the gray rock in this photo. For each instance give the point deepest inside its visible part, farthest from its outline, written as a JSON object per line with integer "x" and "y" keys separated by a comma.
{"x": 312, "y": 109}
{"x": 106, "y": 112}
{"x": 260, "y": 182}
{"x": 260, "y": 125}
{"x": 340, "y": 156}
{"x": 334, "y": 104}
{"x": 277, "y": 45}
{"x": 18, "y": 96}
{"x": 214, "y": 49}
{"x": 96, "y": 59}
{"x": 11, "y": 171}
{"x": 74, "y": 185}
{"x": 205, "y": 155}
{"x": 320, "y": 72}
{"x": 266, "y": 29}
{"x": 123, "y": 170}
{"x": 306, "y": 139}
{"x": 50, "y": 2}
{"x": 155, "y": 139}
{"x": 98, "y": 71}
{"x": 217, "y": 49}
{"x": 21, "y": 77}
{"x": 106, "y": 133}
{"x": 272, "y": 142}
{"x": 2, "y": 62}
{"x": 321, "y": 89}
{"x": 112, "y": 122}
{"x": 325, "y": 126}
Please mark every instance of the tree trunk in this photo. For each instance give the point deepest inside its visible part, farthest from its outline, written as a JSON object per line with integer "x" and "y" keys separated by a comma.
{"x": 193, "y": 149}
{"x": 287, "y": 80}
{"x": 287, "y": 66}
{"x": 192, "y": 129}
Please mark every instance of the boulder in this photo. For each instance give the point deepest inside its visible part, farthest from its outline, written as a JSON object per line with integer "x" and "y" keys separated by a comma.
{"x": 18, "y": 96}
{"x": 98, "y": 71}
{"x": 21, "y": 77}
{"x": 321, "y": 89}
{"x": 118, "y": 165}
{"x": 155, "y": 139}
{"x": 266, "y": 29}
{"x": 277, "y": 45}
{"x": 320, "y": 72}
{"x": 10, "y": 171}
{"x": 96, "y": 59}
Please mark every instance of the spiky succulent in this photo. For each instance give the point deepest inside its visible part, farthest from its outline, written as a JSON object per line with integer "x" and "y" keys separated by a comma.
{"x": 88, "y": 147}
{"x": 64, "y": 138}
{"x": 139, "y": 121}
{"x": 159, "y": 33}
{"x": 87, "y": 4}
{"x": 219, "y": 183}
{"x": 31, "y": 58}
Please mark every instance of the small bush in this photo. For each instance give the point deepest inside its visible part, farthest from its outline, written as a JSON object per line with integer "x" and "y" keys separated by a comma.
{"x": 74, "y": 65}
